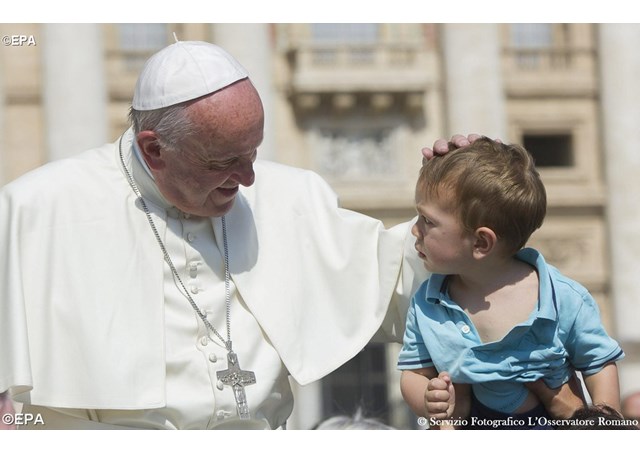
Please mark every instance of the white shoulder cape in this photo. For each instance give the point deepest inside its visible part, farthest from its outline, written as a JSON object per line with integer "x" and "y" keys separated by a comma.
{"x": 81, "y": 280}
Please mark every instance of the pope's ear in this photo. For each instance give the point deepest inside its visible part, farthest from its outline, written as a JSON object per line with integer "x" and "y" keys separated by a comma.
{"x": 485, "y": 242}
{"x": 150, "y": 149}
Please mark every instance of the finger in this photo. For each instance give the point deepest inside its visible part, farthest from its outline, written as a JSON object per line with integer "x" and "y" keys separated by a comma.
{"x": 437, "y": 410}
{"x": 437, "y": 384}
{"x": 459, "y": 140}
{"x": 427, "y": 154}
{"x": 437, "y": 396}
{"x": 473, "y": 137}
{"x": 438, "y": 415}
{"x": 444, "y": 376}
{"x": 440, "y": 146}
{"x": 451, "y": 390}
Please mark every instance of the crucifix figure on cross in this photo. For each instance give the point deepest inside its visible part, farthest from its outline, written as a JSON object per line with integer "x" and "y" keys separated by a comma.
{"x": 237, "y": 379}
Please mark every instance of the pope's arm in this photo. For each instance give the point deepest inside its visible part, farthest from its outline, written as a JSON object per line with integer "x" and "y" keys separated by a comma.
{"x": 15, "y": 371}
{"x": 412, "y": 274}
{"x": 7, "y": 320}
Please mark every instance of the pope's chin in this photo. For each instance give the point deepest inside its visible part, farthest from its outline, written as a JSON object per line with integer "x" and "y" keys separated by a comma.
{"x": 221, "y": 203}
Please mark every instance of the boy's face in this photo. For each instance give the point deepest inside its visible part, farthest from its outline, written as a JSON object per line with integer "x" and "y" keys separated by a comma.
{"x": 441, "y": 241}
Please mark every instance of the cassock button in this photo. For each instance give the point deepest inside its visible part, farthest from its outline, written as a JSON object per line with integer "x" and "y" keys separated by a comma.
{"x": 465, "y": 329}
{"x": 194, "y": 289}
{"x": 219, "y": 385}
{"x": 191, "y": 237}
{"x": 204, "y": 341}
{"x": 213, "y": 358}
{"x": 193, "y": 269}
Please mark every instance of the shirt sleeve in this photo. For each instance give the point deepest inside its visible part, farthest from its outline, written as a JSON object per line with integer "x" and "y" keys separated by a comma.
{"x": 589, "y": 346}
{"x": 414, "y": 353}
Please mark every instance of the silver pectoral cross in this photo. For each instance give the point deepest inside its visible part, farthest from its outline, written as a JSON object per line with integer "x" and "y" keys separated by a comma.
{"x": 237, "y": 379}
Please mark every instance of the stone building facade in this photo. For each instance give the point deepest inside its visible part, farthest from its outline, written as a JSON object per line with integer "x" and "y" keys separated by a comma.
{"x": 356, "y": 102}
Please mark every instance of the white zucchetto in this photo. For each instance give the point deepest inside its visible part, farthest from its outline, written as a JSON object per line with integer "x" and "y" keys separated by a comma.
{"x": 184, "y": 71}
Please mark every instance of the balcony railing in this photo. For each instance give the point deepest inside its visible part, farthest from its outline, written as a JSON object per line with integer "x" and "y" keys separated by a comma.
{"x": 374, "y": 67}
{"x": 547, "y": 59}
{"x": 550, "y": 71}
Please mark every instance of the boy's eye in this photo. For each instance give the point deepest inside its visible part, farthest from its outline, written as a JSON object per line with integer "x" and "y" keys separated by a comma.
{"x": 427, "y": 221}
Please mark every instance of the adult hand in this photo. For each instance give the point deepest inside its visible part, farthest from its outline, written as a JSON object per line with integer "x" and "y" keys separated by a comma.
{"x": 561, "y": 402}
{"x": 442, "y": 146}
{"x": 7, "y": 412}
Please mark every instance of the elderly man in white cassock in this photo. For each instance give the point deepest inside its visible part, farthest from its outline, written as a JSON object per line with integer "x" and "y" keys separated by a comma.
{"x": 171, "y": 280}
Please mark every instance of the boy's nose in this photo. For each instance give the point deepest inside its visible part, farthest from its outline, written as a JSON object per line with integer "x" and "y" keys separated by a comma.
{"x": 415, "y": 230}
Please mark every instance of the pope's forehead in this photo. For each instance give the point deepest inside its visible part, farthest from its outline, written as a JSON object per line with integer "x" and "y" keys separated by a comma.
{"x": 238, "y": 97}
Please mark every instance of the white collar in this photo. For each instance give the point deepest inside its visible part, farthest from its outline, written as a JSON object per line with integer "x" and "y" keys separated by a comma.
{"x": 145, "y": 180}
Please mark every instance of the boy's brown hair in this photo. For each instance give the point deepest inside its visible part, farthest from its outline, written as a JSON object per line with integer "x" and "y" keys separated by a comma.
{"x": 488, "y": 184}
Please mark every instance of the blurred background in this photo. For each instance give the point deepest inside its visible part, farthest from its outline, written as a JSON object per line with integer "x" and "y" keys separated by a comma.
{"x": 356, "y": 103}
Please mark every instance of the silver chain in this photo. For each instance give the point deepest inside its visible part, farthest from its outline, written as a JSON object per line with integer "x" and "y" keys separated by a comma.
{"x": 167, "y": 259}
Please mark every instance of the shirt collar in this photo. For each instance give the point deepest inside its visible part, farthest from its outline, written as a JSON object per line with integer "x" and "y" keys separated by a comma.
{"x": 547, "y": 304}
{"x": 144, "y": 179}
{"x": 436, "y": 291}
{"x": 436, "y": 288}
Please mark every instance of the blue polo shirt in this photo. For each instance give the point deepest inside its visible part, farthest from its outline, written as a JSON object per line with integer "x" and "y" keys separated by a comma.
{"x": 563, "y": 332}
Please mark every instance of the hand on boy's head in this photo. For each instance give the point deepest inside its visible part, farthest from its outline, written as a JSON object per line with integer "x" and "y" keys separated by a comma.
{"x": 442, "y": 146}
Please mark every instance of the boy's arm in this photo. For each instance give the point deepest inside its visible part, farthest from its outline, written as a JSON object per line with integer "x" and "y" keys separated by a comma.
{"x": 604, "y": 387}
{"x": 413, "y": 385}
{"x": 588, "y": 346}
{"x": 434, "y": 396}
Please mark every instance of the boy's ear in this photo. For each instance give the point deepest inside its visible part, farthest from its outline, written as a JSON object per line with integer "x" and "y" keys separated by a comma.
{"x": 485, "y": 242}
{"x": 150, "y": 149}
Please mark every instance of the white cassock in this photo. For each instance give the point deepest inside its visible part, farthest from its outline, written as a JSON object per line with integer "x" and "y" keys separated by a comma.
{"x": 93, "y": 326}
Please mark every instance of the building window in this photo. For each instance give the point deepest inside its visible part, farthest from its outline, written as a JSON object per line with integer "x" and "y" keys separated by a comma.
{"x": 354, "y": 43}
{"x": 538, "y": 46}
{"x": 360, "y": 384}
{"x": 139, "y": 41}
{"x": 531, "y": 36}
{"x": 345, "y": 33}
{"x": 550, "y": 150}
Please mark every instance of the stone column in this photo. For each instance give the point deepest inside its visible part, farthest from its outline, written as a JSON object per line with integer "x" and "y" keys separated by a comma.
{"x": 74, "y": 88}
{"x": 251, "y": 45}
{"x": 620, "y": 91}
{"x": 475, "y": 98}
{"x": 3, "y": 134}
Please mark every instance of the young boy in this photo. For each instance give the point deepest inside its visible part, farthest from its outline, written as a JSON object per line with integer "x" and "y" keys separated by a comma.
{"x": 494, "y": 316}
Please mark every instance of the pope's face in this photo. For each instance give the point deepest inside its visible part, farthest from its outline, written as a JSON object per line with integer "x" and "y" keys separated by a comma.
{"x": 203, "y": 180}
